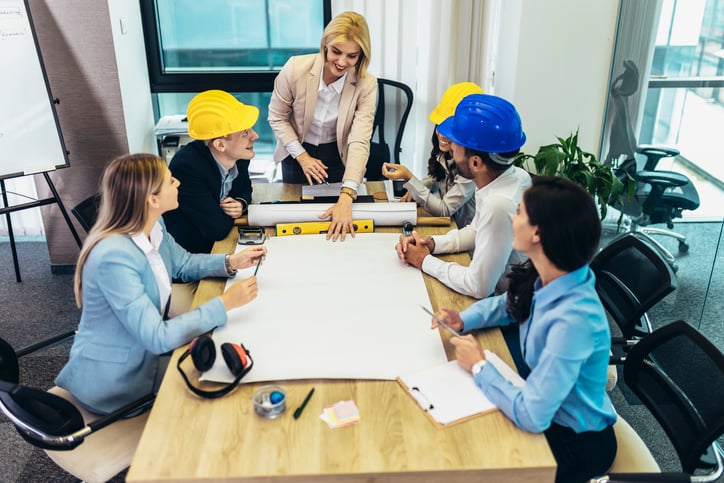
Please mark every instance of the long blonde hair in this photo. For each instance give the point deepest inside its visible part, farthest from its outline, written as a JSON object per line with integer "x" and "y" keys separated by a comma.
{"x": 127, "y": 183}
{"x": 349, "y": 27}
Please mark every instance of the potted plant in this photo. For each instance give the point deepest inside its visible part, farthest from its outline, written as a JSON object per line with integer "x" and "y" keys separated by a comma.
{"x": 566, "y": 159}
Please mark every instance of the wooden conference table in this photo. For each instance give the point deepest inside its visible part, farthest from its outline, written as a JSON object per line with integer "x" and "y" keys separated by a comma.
{"x": 189, "y": 439}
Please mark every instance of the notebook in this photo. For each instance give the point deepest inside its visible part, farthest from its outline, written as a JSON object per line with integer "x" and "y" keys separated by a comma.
{"x": 448, "y": 394}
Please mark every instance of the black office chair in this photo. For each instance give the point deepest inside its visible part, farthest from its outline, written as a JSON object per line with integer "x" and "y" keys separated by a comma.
{"x": 678, "y": 374}
{"x": 631, "y": 277}
{"x": 657, "y": 196}
{"x": 390, "y": 119}
{"x": 86, "y": 212}
{"x": 70, "y": 435}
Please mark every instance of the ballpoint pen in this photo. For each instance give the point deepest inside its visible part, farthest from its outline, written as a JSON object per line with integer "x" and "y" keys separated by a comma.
{"x": 298, "y": 411}
{"x": 439, "y": 321}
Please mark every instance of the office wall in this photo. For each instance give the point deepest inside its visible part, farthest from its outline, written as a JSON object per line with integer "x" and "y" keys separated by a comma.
{"x": 77, "y": 48}
{"x": 553, "y": 62}
{"x": 130, "y": 51}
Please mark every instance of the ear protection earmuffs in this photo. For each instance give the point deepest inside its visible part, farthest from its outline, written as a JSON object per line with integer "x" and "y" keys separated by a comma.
{"x": 203, "y": 354}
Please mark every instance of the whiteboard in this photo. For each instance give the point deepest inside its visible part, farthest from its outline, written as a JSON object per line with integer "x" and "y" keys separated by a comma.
{"x": 30, "y": 137}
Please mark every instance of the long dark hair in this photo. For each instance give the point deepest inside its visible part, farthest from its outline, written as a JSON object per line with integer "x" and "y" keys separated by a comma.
{"x": 569, "y": 230}
{"x": 434, "y": 169}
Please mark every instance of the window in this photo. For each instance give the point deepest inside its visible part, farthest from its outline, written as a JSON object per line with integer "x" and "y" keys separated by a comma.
{"x": 235, "y": 45}
{"x": 684, "y": 104}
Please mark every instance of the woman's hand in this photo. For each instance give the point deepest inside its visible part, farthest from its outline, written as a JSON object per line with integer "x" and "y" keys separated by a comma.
{"x": 396, "y": 172}
{"x": 341, "y": 213}
{"x": 406, "y": 198}
{"x": 451, "y": 317}
{"x": 240, "y": 293}
{"x": 247, "y": 257}
{"x": 468, "y": 351}
{"x": 314, "y": 169}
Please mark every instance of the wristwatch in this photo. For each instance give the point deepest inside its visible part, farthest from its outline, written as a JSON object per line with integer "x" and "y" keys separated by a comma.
{"x": 349, "y": 191}
{"x": 478, "y": 366}
{"x": 227, "y": 264}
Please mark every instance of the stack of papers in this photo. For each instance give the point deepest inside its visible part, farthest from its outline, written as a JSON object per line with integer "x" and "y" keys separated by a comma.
{"x": 340, "y": 414}
{"x": 167, "y": 125}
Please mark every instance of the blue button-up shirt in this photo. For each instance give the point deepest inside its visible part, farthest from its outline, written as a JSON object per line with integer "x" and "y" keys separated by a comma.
{"x": 566, "y": 342}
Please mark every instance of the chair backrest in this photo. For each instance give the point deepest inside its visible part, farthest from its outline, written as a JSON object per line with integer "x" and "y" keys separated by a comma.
{"x": 394, "y": 102}
{"x": 87, "y": 211}
{"x": 679, "y": 375}
{"x": 631, "y": 277}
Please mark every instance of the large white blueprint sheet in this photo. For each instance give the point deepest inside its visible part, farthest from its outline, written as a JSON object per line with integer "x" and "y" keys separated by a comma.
{"x": 332, "y": 310}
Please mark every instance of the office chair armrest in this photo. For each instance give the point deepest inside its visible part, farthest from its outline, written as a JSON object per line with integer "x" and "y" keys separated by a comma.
{"x": 129, "y": 410}
{"x": 665, "y": 179}
{"x": 44, "y": 344}
{"x": 654, "y": 154}
{"x": 634, "y": 477}
{"x": 660, "y": 151}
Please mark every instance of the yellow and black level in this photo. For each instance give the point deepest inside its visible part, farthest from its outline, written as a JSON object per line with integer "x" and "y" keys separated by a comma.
{"x": 317, "y": 227}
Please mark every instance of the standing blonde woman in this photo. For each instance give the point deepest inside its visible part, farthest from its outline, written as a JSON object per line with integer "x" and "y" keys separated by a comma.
{"x": 322, "y": 110}
{"x": 123, "y": 286}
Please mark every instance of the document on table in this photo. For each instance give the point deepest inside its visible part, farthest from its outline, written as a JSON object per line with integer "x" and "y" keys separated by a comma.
{"x": 331, "y": 189}
{"x": 448, "y": 393}
{"x": 333, "y": 310}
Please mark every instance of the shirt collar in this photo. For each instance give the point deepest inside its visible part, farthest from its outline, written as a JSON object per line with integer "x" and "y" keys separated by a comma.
{"x": 147, "y": 245}
{"x": 234, "y": 171}
{"x": 562, "y": 285}
{"x": 337, "y": 85}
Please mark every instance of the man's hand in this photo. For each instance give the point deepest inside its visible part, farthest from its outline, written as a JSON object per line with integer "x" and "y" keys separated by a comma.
{"x": 233, "y": 208}
{"x": 413, "y": 249}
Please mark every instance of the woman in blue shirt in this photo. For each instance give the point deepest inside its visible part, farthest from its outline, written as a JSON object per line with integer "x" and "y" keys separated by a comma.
{"x": 123, "y": 284}
{"x": 564, "y": 333}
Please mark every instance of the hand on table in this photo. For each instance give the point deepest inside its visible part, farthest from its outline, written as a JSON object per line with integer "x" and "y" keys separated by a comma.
{"x": 341, "y": 213}
{"x": 413, "y": 249}
{"x": 240, "y": 293}
{"x": 232, "y": 207}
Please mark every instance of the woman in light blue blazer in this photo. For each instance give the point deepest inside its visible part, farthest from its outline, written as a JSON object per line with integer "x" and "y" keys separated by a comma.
{"x": 123, "y": 285}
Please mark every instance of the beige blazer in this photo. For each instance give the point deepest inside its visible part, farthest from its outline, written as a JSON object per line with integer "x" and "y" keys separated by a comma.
{"x": 294, "y": 99}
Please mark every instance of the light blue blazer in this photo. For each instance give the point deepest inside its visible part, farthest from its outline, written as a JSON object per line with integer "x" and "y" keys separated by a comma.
{"x": 115, "y": 354}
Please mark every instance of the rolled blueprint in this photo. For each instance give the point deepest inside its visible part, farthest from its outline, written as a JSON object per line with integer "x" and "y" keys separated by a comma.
{"x": 383, "y": 214}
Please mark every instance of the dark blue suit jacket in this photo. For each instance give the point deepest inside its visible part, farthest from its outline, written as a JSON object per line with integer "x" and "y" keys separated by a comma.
{"x": 199, "y": 221}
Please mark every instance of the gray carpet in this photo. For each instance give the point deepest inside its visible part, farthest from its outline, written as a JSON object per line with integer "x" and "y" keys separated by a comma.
{"x": 43, "y": 305}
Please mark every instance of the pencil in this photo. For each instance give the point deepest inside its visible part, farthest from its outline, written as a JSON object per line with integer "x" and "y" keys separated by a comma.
{"x": 258, "y": 263}
{"x": 439, "y": 321}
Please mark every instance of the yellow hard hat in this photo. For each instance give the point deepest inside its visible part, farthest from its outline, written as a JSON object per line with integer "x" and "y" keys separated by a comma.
{"x": 213, "y": 114}
{"x": 450, "y": 100}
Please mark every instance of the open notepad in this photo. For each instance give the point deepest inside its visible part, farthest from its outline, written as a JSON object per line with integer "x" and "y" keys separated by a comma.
{"x": 447, "y": 392}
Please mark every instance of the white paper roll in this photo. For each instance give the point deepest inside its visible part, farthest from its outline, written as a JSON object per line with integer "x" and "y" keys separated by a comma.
{"x": 383, "y": 214}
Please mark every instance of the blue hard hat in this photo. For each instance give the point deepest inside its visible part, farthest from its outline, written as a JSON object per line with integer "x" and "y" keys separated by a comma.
{"x": 485, "y": 123}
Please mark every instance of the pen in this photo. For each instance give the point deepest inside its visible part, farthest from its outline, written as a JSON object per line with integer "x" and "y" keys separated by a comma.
{"x": 258, "y": 263}
{"x": 439, "y": 321}
{"x": 298, "y": 411}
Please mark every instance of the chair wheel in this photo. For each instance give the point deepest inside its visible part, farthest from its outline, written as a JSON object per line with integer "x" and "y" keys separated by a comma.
{"x": 683, "y": 247}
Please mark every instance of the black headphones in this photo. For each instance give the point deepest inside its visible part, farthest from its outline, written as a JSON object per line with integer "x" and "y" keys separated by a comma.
{"x": 203, "y": 355}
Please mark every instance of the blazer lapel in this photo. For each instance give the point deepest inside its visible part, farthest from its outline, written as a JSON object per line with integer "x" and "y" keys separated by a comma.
{"x": 345, "y": 102}
{"x": 310, "y": 100}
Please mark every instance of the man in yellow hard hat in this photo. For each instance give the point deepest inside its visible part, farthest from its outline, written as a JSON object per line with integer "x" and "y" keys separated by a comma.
{"x": 213, "y": 170}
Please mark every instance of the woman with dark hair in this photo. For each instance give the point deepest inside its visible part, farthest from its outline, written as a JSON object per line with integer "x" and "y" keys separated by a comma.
{"x": 443, "y": 192}
{"x": 123, "y": 285}
{"x": 564, "y": 334}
